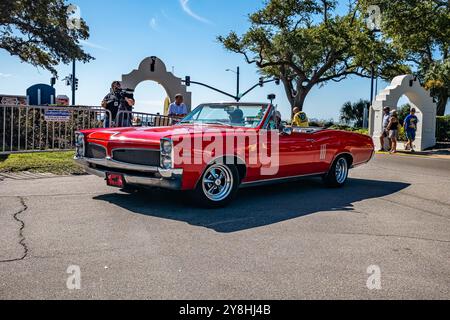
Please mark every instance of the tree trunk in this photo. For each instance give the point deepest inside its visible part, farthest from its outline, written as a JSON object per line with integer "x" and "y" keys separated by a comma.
{"x": 301, "y": 95}
{"x": 299, "y": 100}
{"x": 442, "y": 101}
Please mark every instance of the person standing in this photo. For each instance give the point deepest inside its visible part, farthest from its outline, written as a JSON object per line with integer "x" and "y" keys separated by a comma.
{"x": 116, "y": 101}
{"x": 410, "y": 126}
{"x": 385, "y": 133}
{"x": 178, "y": 109}
{"x": 300, "y": 119}
{"x": 392, "y": 128}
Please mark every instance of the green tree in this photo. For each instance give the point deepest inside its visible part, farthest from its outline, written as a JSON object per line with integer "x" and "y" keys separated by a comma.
{"x": 421, "y": 30}
{"x": 307, "y": 44}
{"x": 37, "y": 31}
{"x": 403, "y": 112}
{"x": 353, "y": 113}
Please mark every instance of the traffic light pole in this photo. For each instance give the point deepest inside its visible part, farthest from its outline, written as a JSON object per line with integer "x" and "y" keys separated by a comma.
{"x": 238, "y": 97}
{"x": 73, "y": 82}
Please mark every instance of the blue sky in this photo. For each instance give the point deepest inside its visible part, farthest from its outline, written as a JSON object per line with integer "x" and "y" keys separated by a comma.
{"x": 183, "y": 34}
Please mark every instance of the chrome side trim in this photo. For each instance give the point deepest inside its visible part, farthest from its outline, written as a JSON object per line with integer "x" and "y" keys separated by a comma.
{"x": 279, "y": 180}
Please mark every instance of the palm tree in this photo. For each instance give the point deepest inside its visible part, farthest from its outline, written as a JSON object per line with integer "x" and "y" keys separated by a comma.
{"x": 353, "y": 113}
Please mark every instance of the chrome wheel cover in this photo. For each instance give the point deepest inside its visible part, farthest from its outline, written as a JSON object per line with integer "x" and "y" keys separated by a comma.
{"x": 341, "y": 170}
{"x": 217, "y": 182}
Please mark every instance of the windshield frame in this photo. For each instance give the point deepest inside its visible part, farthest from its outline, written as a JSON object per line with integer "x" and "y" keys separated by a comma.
{"x": 269, "y": 107}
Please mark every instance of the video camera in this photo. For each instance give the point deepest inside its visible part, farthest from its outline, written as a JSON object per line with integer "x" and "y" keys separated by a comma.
{"x": 121, "y": 94}
{"x": 125, "y": 93}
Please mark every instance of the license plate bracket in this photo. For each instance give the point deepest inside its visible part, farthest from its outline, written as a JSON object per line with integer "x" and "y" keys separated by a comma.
{"x": 115, "y": 180}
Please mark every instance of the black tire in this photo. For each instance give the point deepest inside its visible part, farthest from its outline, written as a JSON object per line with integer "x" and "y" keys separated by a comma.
{"x": 338, "y": 174}
{"x": 230, "y": 184}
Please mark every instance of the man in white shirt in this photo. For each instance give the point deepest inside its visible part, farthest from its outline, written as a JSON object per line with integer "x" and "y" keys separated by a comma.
{"x": 385, "y": 133}
{"x": 178, "y": 109}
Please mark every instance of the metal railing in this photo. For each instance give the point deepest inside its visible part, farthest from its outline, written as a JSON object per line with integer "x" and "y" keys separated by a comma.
{"x": 44, "y": 128}
{"x": 140, "y": 119}
{"x": 49, "y": 128}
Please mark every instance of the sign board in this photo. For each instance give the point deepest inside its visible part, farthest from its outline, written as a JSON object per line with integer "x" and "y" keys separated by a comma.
{"x": 13, "y": 100}
{"x": 57, "y": 115}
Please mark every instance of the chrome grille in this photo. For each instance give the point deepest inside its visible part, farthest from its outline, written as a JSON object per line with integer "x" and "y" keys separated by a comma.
{"x": 137, "y": 156}
{"x": 95, "y": 151}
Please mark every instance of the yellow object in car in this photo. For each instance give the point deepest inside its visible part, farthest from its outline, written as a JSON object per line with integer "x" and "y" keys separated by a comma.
{"x": 300, "y": 120}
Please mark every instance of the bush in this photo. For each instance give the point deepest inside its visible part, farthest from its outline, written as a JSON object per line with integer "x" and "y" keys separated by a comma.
{"x": 351, "y": 129}
{"x": 443, "y": 129}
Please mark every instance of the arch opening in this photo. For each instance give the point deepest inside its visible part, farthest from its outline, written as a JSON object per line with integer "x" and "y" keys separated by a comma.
{"x": 153, "y": 68}
{"x": 150, "y": 97}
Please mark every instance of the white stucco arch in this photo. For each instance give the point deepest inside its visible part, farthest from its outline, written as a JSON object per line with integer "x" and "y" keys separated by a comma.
{"x": 154, "y": 69}
{"x": 419, "y": 98}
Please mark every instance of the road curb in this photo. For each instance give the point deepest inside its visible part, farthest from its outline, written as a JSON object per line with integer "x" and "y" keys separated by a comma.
{"x": 417, "y": 155}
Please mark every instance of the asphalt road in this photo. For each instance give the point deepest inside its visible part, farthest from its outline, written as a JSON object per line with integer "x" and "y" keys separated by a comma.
{"x": 291, "y": 241}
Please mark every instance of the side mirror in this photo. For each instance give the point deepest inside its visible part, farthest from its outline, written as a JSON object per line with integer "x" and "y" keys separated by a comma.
{"x": 287, "y": 131}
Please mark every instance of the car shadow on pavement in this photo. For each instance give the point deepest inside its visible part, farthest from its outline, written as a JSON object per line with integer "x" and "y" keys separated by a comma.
{"x": 255, "y": 207}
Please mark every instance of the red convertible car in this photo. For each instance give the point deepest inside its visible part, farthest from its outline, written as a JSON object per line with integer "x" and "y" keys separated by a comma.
{"x": 218, "y": 148}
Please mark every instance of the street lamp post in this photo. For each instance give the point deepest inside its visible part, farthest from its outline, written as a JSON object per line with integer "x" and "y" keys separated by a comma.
{"x": 372, "y": 84}
{"x": 373, "y": 21}
{"x": 373, "y": 64}
{"x": 238, "y": 76}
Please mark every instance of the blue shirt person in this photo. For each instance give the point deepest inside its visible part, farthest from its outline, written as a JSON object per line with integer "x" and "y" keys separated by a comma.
{"x": 410, "y": 126}
{"x": 178, "y": 108}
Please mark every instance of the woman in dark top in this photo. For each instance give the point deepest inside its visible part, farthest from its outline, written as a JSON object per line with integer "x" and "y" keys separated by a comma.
{"x": 393, "y": 130}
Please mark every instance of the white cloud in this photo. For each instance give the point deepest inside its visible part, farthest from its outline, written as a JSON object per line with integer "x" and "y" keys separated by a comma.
{"x": 92, "y": 45}
{"x": 153, "y": 23}
{"x": 164, "y": 14}
{"x": 5, "y": 75}
{"x": 185, "y": 6}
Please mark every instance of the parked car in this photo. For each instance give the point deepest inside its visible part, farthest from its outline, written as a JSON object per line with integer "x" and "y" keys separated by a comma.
{"x": 218, "y": 148}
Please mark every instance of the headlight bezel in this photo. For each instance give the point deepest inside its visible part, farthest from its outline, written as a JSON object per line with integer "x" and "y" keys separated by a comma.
{"x": 80, "y": 144}
{"x": 166, "y": 149}
{"x": 166, "y": 146}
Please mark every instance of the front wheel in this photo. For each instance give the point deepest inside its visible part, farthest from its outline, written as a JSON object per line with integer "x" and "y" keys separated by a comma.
{"x": 338, "y": 174}
{"x": 217, "y": 186}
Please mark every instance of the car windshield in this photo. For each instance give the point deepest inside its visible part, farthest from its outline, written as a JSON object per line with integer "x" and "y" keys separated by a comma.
{"x": 235, "y": 115}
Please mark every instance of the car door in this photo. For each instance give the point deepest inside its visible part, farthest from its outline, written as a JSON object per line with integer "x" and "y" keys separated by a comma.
{"x": 294, "y": 153}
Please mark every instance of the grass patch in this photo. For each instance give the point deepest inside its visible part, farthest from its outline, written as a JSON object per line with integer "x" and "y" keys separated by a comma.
{"x": 60, "y": 163}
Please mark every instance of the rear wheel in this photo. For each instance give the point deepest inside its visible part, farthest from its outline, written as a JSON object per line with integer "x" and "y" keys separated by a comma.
{"x": 217, "y": 186}
{"x": 338, "y": 174}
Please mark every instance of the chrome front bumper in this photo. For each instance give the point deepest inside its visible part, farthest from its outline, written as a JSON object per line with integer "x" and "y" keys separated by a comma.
{"x": 134, "y": 174}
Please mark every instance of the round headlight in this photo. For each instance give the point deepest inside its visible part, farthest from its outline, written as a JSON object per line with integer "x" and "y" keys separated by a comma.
{"x": 167, "y": 147}
{"x": 79, "y": 144}
{"x": 166, "y": 163}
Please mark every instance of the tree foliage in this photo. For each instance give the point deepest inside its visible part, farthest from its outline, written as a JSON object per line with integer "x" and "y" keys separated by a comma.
{"x": 306, "y": 43}
{"x": 403, "y": 112}
{"x": 353, "y": 113}
{"x": 421, "y": 30}
{"x": 37, "y": 32}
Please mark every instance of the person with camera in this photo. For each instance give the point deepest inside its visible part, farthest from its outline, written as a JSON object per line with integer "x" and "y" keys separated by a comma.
{"x": 118, "y": 102}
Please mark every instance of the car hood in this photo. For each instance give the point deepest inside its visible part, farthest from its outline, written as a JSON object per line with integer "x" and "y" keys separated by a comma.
{"x": 146, "y": 135}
